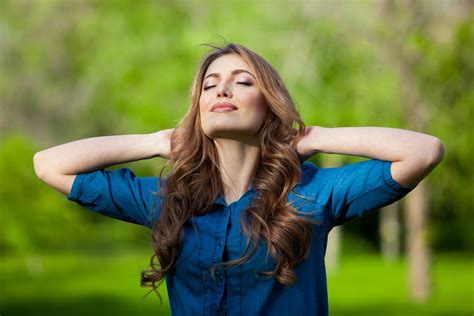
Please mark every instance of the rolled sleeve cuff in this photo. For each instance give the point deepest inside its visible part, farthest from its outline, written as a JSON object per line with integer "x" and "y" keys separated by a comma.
{"x": 76, "y": 189}
{"x": 387, "y": 176}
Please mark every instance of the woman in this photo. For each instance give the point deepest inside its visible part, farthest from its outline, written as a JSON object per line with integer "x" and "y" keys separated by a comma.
{"x": 240, "y": 224}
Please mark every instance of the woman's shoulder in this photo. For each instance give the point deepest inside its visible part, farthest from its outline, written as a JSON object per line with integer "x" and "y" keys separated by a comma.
{"x": 308, "y": 171}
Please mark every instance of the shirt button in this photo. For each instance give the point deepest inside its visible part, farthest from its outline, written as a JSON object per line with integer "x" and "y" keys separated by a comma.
{"x": 219, "y": 243}
{"x": 220, "y": 277}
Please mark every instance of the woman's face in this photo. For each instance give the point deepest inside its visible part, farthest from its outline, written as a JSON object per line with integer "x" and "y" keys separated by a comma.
{"x": 228, "y": 79}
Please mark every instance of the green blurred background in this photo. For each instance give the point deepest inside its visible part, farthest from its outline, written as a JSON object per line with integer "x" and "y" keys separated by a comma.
{"x": 74, "y": 69}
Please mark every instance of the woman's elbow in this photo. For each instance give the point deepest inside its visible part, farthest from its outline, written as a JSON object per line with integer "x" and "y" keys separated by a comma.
{"x": 436, "y": 152}
{"x": 38, "y": 165}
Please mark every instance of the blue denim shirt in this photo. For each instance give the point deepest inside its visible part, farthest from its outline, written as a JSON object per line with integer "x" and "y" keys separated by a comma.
{"x": 334, "y": 196}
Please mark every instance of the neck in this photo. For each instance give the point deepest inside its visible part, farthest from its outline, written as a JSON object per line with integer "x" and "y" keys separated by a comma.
{"x": 238, "y": 161}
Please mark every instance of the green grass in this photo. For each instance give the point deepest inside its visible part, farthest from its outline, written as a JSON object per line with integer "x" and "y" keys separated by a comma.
{"x": 78, "y": 285}
{"x": 365, "y": 285}
{"x": 93, "y": 285}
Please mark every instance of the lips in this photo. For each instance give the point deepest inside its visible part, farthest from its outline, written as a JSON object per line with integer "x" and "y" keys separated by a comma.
{"x": 223, "y": 105}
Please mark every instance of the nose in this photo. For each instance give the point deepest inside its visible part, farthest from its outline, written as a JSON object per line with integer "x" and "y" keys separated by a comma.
{"x": 223, "y": 90}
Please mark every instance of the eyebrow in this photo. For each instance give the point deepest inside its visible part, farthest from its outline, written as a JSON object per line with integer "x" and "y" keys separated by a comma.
{"x": 234, "y": 72}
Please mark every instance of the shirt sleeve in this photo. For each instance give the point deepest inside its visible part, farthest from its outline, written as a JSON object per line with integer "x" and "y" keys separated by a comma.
{"x": 360, "y": 188}
{"x": 118, "y": 194}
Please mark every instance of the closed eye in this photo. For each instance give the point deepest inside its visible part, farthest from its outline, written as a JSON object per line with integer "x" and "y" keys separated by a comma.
{"x": 208, "y": 87}
{"x": 243, "y": 83}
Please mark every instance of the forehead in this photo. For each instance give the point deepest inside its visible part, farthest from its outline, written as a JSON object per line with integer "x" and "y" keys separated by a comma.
{"x": 227, "y": 63}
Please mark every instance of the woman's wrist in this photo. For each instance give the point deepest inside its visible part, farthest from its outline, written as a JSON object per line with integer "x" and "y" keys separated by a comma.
{"x": 315, "y": 138}
{"x": 310, "y": 143}
{"x": 147, "y": 146}
{"x": 162, "y": 143}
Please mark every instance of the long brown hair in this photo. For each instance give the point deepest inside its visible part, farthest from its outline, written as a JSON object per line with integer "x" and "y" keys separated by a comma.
{"x": 195, "y": 181}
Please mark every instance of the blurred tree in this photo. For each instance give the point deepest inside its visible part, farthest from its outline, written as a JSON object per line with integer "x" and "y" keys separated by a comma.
{"x": 389, "y": 232}
{"x": 410, "y": 35}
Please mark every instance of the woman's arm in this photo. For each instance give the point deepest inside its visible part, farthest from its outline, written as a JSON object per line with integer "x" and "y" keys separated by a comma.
{"x": 414, "y": 155}
{"x": 57, "y": 166}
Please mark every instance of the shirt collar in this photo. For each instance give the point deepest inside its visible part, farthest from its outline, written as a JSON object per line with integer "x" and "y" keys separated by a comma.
{"x": 221, "y": 199}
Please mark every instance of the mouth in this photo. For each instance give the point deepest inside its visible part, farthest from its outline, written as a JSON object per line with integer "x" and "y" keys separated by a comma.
{"x": 223, "y": 107}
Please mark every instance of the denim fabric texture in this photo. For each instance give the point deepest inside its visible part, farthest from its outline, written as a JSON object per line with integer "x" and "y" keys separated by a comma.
{"x": 334, "y": 196}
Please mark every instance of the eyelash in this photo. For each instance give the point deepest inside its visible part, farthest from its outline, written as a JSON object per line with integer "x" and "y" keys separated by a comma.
{"x": 244, "y": 83}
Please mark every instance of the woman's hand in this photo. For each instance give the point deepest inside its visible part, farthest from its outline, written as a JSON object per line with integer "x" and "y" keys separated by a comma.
{"x": 305, "y": 147}
{"x": 163, "y": 139}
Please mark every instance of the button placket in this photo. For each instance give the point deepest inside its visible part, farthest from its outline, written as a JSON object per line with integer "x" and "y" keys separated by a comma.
{"x": 221, "y": 235}
{"x": 220, "y": 241}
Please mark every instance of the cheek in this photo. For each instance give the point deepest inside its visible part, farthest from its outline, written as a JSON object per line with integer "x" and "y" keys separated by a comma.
{"x": 204, "y": 99}
{"x": 202, "y": 107}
